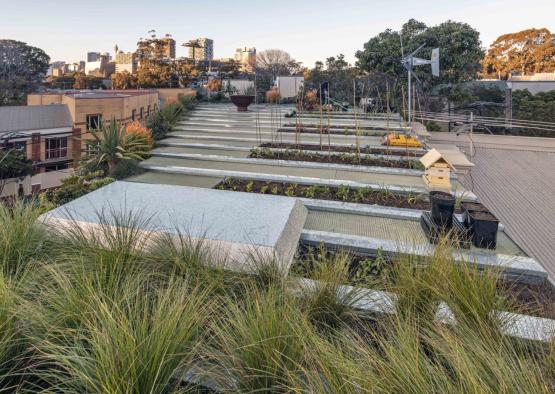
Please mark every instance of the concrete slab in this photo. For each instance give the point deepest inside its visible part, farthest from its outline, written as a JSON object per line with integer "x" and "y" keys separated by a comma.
{"x": 233, "y": 226}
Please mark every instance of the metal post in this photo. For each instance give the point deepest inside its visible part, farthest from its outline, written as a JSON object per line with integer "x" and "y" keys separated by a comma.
{"x": 471, "y": 134}
{"x": 410, "y": 94}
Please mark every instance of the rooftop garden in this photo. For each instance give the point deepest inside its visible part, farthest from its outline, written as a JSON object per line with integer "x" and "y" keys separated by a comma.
{"x": 121, "y": 312}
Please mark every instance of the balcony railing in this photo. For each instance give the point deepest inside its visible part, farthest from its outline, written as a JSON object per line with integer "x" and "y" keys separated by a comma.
{"x": 57, "y": 153}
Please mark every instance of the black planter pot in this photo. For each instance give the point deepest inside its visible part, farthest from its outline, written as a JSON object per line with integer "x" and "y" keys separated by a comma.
{"x": 484, "y": 229}
{"x": 467, "y": 208}
{"x": 242, "y": 102}
{"x": 443, "y": 206}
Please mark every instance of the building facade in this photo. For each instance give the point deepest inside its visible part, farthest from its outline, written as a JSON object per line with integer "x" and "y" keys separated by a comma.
{"x": 205, "y": 51}
{"x": 44, "y": 132}
{"x": 89, "y": 110}
{"x": 126, "y": 61}
{"x": 93, "y": 56}
{"x": 246, "y": 58}
{"x": 169, "y": 47}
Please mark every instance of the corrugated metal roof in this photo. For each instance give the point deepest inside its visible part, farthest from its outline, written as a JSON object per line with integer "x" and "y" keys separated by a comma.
{"x": 515, "y": 178}
{"x": 34, "y": 117}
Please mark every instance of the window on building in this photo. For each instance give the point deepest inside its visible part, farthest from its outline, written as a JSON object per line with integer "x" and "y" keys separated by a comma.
{"x": 148, "y": 111}
{"x": 94, "y": 122}
{"x": 141, "y": 113}
{"x": 56, "y": 167}
{"x": 133, "y": 115}
{"x": 19, "y": 145}
{"x": 56, "y": 148}
{"x": 155, "y": 107}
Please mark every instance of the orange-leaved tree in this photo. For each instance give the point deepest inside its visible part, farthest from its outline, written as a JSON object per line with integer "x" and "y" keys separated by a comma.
{"x": 525, "y": 52}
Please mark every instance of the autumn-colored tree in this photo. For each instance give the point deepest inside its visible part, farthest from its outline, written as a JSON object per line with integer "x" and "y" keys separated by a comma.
{"x": 124, "y": 80}
{"x": 83, "y": 81}
{"x": 154, "y": 73}
{"x": 161, "y": 73}
{"x": 214, "y": 85}
{"x": 272, "y": 95}
{"x": 526, "y": 52}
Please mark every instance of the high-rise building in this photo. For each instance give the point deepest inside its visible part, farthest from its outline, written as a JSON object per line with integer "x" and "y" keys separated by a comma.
{"x": 169, "y": 47}
{"x": 93, "y": 56}
{"x": 204, "y": 51}
{"x": 126, "y": 61}
{"x": 246, "y": 58}
{"x": 102, "y": 67}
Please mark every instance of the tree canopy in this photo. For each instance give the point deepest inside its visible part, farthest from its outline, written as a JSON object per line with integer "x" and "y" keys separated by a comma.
{"x": 338, "y": 72}
{"x": 22, "y": 68}
{"x": 13, "y": 164}
{"x": 459, "y": 45}
{"x": 526, "y": 52}
{"x": 124, "y": 80}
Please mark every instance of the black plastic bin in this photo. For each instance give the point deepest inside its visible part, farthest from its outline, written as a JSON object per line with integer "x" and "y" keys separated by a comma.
{"x": 443, "y": 206}
{"x": 484, "y": 229}
{"x": 467, "y": 207}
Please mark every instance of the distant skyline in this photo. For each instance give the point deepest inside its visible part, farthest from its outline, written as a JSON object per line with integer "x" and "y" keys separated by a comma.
{"x": 309, "y": 30}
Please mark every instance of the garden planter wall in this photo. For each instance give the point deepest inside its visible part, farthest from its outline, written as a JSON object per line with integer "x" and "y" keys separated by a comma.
{"x": 483, "y": 226}
{"x": 443, "y": 206}
{"x": 242, "y": 102}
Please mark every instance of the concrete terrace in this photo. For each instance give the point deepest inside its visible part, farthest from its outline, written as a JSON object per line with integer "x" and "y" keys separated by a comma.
{"x": 215, "y": 141}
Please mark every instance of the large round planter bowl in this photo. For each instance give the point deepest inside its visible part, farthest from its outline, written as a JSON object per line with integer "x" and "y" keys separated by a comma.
{"x": 443, "y": 206}
{"x": 242, "y": 102}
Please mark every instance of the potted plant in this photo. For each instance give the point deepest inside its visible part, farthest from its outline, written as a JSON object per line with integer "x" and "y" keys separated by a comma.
{"x": 443, "y": 206}
{"x": 484, "y": 227}
{"x": 243, "y": 100}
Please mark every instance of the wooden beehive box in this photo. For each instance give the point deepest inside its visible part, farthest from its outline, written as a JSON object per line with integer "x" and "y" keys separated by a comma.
{"x": 437, "y": 170}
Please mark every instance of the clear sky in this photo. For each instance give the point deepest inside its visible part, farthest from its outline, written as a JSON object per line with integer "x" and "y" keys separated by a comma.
{"x": 308, "y": 29}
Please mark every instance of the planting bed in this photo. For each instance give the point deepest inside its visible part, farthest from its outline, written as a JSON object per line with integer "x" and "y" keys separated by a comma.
{"x": 342, "y": 193}
{"x": 342, "y": 149}
{"x": 341, "y": 158}
{"x": 325, "y": 128}
{"x": 339, "y": 130}
{"x": 378, "y": 272}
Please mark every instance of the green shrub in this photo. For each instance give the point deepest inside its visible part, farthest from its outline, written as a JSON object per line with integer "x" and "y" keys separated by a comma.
{"x": 158, "y": 126}
{"x": 126, "y": 168}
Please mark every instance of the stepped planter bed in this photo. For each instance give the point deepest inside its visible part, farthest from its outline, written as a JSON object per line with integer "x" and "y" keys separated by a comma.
{"x": 342, "y": 193}
{"x": 342, "y": 149}
{"x": 343, "y": 130}
{"x": 338, "y": 158}
{"x": 378, "y": 270}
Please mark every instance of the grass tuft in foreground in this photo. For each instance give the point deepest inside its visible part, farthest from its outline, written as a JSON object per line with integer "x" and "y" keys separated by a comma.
{"x": 119, "y": 313}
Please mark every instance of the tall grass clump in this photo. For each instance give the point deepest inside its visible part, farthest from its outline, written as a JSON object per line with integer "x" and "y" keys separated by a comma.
{"x": 144, "y": 341}
{"x": 326, "y": 299}
{"x": 21, "y": 239}
{"x": 257, "y": 343}
{"x": 13, "y": 344}
{"x": 117, "y": 309}
{"x": 108, "y": 252}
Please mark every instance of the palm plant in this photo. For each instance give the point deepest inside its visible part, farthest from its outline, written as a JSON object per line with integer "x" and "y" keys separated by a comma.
{"x": 113, "y": 144}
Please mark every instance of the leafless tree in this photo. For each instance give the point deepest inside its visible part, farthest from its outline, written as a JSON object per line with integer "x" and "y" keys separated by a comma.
{"x": 277, "y": 62}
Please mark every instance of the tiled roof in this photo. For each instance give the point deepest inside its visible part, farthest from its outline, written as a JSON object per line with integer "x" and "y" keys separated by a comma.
{"x": 34, "y": 117}
{"x": 515, "y": 178}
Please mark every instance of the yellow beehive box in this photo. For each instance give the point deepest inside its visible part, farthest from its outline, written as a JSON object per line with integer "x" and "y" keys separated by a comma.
{"x": 437, "y": 172}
